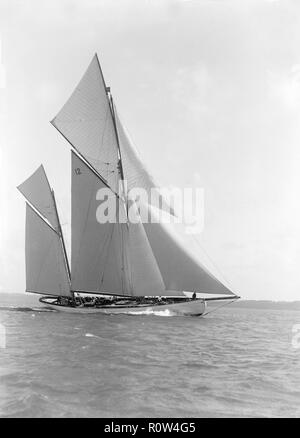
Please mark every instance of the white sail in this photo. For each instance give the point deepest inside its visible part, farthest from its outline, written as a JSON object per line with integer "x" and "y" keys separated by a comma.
{"x": 46, "y": 271}
{"x": 37, "y": 191}
{"x": 145, "y": 274}
{"x": 135, "y": 173}
{"x": 97, "y": 248}
{"x": 180, "y": 269}
{"x": 86, "y": 122}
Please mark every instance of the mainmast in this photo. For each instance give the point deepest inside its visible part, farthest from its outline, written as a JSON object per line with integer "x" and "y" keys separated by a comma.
{"x": 120, "y": 169}
{"x": 112, "y": 108}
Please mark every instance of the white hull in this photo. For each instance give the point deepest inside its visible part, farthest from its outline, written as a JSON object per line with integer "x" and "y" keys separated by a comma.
{"x": 188, "y": 308}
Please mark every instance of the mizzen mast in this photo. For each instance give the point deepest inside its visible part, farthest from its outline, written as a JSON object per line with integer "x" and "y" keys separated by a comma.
{"x": 60, "y": 232}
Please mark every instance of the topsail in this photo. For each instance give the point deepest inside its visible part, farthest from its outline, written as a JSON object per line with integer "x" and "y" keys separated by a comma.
{"x": 36, "y": 190}
{"x": 86, "y": 121}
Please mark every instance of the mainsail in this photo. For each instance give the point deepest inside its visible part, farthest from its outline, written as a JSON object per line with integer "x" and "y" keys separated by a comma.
{"x": 97, "y": 259}
{"x": 46, "y": 271}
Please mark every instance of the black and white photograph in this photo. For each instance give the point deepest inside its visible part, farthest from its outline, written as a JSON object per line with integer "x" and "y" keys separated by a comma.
{"x": 149, "y": 211}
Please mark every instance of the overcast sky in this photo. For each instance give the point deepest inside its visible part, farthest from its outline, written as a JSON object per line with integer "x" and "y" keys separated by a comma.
{"x": 210, "y": 93}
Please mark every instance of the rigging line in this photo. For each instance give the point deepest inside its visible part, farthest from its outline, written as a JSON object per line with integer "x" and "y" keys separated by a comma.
{"x": 101, "y": 250}
{"x": 121, "y": 235}
{"x": 128, "y": 260}
{"x": 123, "y": 248}
{"x": 120, "y": 163}
{"x": 43, "y": 263}
{"x": 126, "y": 243}
{"x": 126, "y": 256}
{"x": 146, "y": 176}
{"x": 107, "y": 90}
{"x": 120, "y": 230}
{"x": 127, "y": 276}
{"x": 111, "y": 110}
{"x": 213, "y": 263}
{"x": 135, "y": 150}
{"x": 85, "y": 222}
{"x": 103, "y": 133}
{"x": 128, "y": 271}
{"x": 33, "y": 208}
{"x": 62, "y": 240}
{"x": 83, "y": 159}
{"x": 101, "y": 162}
{"x": 117, "y": 134}
{"x": 95, "y": 172}
{"x": 219, "y": 307}
{"x": 95, "y": 292}
{"x": 107, "y": 254}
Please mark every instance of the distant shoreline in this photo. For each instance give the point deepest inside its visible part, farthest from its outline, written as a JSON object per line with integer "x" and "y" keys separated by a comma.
{"x": 267, "y": 304}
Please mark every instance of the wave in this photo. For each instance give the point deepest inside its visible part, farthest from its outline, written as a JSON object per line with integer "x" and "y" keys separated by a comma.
{"x": 165, "y": 312}
{"x": 25, "y": 309}
{"x": 90, "y": 335}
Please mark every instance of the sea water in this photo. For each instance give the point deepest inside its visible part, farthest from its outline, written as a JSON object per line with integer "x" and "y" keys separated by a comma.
{"x": 234, "y": 362}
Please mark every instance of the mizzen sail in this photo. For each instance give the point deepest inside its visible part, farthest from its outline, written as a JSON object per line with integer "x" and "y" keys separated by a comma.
{"x": 46, "y": 271}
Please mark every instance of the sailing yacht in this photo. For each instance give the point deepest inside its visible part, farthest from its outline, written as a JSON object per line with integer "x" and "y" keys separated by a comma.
{"x": 134, "y": 267}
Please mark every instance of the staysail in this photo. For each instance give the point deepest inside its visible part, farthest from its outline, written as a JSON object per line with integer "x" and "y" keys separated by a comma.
{"x": 145, "y": 273}
{"x": 180, "y": 269}
{"x": 86, "y": 122}
{"x": 135, "y": 173}
{"x": 37, "y": 191}
{"x": 46, "y": 271}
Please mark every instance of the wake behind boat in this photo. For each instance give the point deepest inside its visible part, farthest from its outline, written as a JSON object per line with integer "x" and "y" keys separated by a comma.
{"x": 142, "y": 264}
